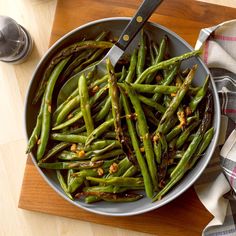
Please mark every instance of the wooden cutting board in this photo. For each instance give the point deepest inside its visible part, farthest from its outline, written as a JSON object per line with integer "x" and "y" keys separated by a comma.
{"x": 183, "y": 216}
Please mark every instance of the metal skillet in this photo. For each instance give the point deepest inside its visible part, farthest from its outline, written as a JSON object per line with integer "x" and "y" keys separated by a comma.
{"x": 177, "y": 47}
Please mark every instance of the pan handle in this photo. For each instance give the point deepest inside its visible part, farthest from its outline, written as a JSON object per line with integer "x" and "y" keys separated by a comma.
{"x": 137, "y": 22}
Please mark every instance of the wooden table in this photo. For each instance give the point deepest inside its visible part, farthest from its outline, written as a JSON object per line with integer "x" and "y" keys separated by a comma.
{"x": 37, "y": 16}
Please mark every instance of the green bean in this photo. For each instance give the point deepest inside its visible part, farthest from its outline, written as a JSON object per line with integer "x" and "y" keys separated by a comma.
{"x": 69, "y": 174}
{"x": 169, "y": 124}
{"x": 69, "y": 122}
{"x": 149, "y": 88}
{"x": 99, "y": 82}
{"x": 76, "y": 130}
{"x": 184, "y": 136}
{"x": 166, "y": 81}
{"x": 104, "y": 111}
{"x": 141, "y": 54}
{"x": 157, "y": 151}
{"x": 159, "y": 58}
{"x": 100, "y": 189}
{"x": 103, "y": 81}
{"x": 122, "y": 167}
{"x": 177, "y": 129}
{"x": 200, "y": 95}
{"x": 46, "y": 113}
{"x": 85, "y": 105}
{"x": 202, "y": 146}
{"x": 116, "y": 112}
{"x": 103, "y": 189}
{"x": 73, "y": 103}
{"x": 98, "y": 106}
{"x": 37, "y": 129}
{"x": 71, "y": 156}
{"x": 163, "y": 141}
{"x": 116, "y": 197}
{"x": 151, "y": 103}
{"x": 131, "y": 171}
{"x": 110, "y": 193}
{"x": 105, "y": 149}
{"x": 108, "y": 155}
{"x": 59, "y": 147}
{"x": 123, "y": 74}
{"x": 162, "y": 171}
{"x": 114, "y": 94}
{"x": 156, "y": 49}
{"x": 168, "y": 186}
{"x": 173, "y": 133}
{"x": 150, "y": 116}
{"x": 76, "y": 62}
{"x": 151, "y": 52}
{"x": 72, "y": 138}
{"x": 119, "y": 181}
{"x": 99, "y": 131}
{"x": 89, "y": 76}
{"x": 109, "y": 116}
{"x": 165, "y": 64}
{"x": 97, "y": 145}
{"x": 145, "y": 136}
{"x": 131, "y": 72}
{"x": 75, "y": 183}
{"x": 176, "y": 100}
{"x": 63, "y": 184}
{"x": 78, "y": 178}
{"x": 107, "y": 163}
{"x": 95, "y": 171}
{"x": 135, "y": 143}
{"x": 61, "y": 106}
{"x": 92, "y": 199}
{"x": 77, "y": 165}
{"x": 92, "y": 59}
{"x": 162, "y": 50}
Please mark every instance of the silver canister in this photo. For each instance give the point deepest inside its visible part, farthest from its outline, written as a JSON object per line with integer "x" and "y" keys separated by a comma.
{"x": 15, "y": 42}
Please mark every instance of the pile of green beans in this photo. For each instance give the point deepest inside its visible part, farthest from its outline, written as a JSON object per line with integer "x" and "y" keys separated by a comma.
{"x": 139, "y": 128}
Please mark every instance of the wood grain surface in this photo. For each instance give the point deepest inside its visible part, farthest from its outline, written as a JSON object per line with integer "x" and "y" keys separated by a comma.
{"x": 183, "y": 216}
{"x": 185, "y": 18}
{"x": 37, "y": 17}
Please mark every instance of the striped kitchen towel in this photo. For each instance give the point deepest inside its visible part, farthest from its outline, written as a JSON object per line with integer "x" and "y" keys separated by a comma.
{"x": 216, "y": 188}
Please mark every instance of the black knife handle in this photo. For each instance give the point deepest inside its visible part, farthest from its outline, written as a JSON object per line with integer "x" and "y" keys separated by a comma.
{"x": 137, "y": 22}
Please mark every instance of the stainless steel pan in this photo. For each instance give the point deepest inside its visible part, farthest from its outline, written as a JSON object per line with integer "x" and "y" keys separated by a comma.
{"x": 177, "y": 46}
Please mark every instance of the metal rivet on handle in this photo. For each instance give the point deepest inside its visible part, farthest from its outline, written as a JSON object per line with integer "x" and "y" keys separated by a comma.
{"x": 126, "y": 37}
{"x": 139, "y": 19}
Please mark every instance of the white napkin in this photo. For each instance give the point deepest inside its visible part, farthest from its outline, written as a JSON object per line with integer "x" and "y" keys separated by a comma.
{"x": 216, "y": 188}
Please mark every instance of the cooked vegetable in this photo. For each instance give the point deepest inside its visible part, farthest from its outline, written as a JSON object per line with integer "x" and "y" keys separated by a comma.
{"x": 141, "y": 126}
{"x": 47, "y": 109}
{"x": 85, "y": 105}
{"x": 144, "y": 134}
